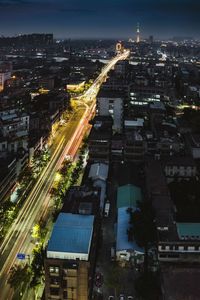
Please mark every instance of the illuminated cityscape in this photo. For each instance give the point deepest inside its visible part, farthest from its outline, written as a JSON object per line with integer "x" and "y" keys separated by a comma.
{"x": 99, "y": 150}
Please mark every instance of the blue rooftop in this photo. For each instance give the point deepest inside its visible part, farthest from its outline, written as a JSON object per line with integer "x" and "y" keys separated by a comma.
{"x": 72, "y": 233}
{"x": 122, "y": 242}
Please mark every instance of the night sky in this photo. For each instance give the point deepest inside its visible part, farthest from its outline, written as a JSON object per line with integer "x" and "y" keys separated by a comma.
{"x": 101, "y": 18}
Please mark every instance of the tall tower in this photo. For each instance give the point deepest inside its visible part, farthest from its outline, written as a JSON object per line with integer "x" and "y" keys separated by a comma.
{"x": 138, "y": 33}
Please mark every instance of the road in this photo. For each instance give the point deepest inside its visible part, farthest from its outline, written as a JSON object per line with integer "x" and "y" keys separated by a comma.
{"x": 67, "y": 142}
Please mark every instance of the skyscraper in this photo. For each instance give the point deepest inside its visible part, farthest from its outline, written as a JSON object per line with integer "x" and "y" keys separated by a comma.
{"x": 138, "y": 33}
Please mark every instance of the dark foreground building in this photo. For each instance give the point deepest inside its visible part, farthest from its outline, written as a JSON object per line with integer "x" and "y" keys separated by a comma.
{"x": 70, "y": 257}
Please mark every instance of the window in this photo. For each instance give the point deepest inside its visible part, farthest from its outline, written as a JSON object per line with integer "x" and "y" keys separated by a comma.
{"x": 54, "y": 291}
{"x": 173, "y": 255}
{"x": 111, "y": 111}
{"x": 54, "y": 280}
{"x": 54, "y": 269}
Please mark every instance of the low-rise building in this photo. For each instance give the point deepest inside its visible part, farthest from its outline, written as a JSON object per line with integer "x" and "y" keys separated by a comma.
{"x": 126, "y": 247}
{"x": 179, "y": 168}
{"x": 193, "y": 144}
{"x": 177, "y": 241}
{"x": 98, "y": 174}
{"x": 69, "y": 262}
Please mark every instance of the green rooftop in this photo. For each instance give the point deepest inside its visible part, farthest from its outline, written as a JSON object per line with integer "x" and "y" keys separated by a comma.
{"x": 188, "y": 230}
{"x": 128, "y": 196}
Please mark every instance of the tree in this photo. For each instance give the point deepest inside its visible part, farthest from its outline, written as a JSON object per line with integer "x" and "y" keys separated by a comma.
{"x": 143, "y": 227}
{"x": 113, "y": 279}
{"x": 37, "y": 266}
{"x": 19, "y": 277}
{"x": 36, "y": 231}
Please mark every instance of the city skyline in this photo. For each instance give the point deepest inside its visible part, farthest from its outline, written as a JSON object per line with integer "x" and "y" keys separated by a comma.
{"x": 89, "y": 19}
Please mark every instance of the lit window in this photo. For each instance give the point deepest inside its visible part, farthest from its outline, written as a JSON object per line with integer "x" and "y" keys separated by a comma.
{"x": 54, "y": 269}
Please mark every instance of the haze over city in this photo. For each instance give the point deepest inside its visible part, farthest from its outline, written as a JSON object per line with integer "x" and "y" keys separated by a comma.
{"x": 100, "y": 19}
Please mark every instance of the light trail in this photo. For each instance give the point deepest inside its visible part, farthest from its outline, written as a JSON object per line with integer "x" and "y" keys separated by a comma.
{"x": 37, "y": 203}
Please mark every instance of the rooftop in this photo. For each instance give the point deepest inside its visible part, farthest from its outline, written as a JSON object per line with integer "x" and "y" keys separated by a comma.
{"x": 134, "y": 123}
{"x": 128, "y": 195}
{"x": 110, "y": 94}
{"x": 81, "y": 194}
{"x": 72, "y": 234}
{"x": 98, "y": 171}
{"x": 188, "y": 230}
{"x": 123, "y": 224}
{"x": 159, "y": 193}
{"x": 179, "y": 161}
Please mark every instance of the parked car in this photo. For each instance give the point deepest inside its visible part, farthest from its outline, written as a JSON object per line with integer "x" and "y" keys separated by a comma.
{"x": 121, "y": 297}
{"x": 130, "y": 298}
{"x": 107, "y": 209}
{"x": 111, "y": 298}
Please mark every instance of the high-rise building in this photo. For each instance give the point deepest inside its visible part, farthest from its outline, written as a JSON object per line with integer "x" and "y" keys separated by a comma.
{"x": 151, "y": 39}
{"x": 119, "y": 48}
{"x": 110, "y": 103}
{"x": 5, "y": 73}
{"x": 138, "y": 33}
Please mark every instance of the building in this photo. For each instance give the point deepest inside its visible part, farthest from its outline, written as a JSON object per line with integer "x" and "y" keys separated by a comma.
{"x": 35, "y": 39}
{"x": 69, "y": 262}
{"x": 126, "y": 247}
{"x": 119, "y": 48}
{"x": 180, "y": 244}
{"x": 193, "y": 144}
{"x": 14, "y": 126}
{"x": 177, "y": 241}
{"x": 8, "y": 176}
{"x": 179, "y": 168}
{"x": 5, "y": 73}
{"x": 83, "y": 200}
{"x": 134, "y": 141}
{"x": 111, "y": 103}
{"x": 142, "y": 94}
{"x": 98, "y": 174}
{"x": 121, "y": 69}
{"x": 99, "y": 139}
{"x": 47, "y": 83}
{"x": 138, "y": 33}
{"x": 128, "y": 196}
